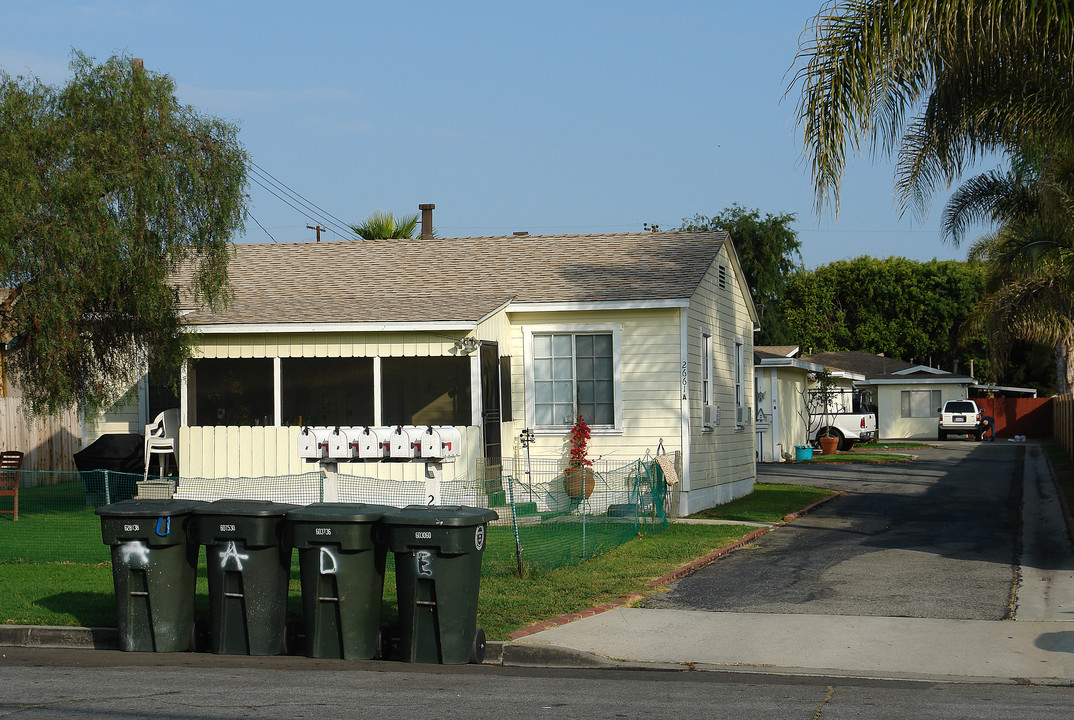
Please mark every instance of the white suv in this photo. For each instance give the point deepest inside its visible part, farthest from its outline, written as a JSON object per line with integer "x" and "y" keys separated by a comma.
{"x": 959, "y": 417}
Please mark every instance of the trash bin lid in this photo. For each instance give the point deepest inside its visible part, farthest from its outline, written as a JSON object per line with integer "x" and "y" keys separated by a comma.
{"x": 244, "y": 508}
{"x": 339, "y": 512}
{"x": 439, "y": 515}
{"x": 149, "y": 507}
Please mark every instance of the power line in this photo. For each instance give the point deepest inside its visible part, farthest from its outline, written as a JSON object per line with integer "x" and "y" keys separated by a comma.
{"x": 251, "y": 216}
{"x": 303, "y": 211}
{"x": 293, "y": 199}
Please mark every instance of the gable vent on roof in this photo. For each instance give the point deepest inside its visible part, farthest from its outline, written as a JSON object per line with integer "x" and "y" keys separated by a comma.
{"x": 723, "y": 277}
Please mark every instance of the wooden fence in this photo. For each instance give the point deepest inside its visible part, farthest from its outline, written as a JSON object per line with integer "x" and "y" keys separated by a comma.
{"x": 1031, "y": 417}
{"x": 1063, "y": 422}
{"x": 49, "y": 443}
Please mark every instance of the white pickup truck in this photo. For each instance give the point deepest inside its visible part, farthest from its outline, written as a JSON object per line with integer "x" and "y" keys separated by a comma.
{"x": 847, "y": 417}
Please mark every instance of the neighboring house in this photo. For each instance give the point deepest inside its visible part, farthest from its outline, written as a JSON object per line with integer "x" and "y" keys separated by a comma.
{"x": 782, "y": 381}
{"x": 907, "y": 396}
{"x": 649, "y": 335}
{"x": 47, "y": 442}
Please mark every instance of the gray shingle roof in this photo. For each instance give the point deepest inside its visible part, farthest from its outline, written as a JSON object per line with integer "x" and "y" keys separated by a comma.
{"x": 864, "y": 363}
{"x": 456, "y": 279}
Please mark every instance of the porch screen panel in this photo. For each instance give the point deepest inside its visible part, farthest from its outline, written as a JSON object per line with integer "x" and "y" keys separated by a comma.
{"x": 327, "y": 391}
{"x": 232, "y": 391}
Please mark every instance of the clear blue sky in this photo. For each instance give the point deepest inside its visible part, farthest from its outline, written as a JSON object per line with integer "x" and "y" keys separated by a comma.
{"x": 551, "y": 117}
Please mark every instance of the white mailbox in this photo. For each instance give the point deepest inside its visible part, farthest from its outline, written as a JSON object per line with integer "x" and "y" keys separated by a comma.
{"x": 431, "y": 447}
{"x": 404, "y": 442}
{"x": 370, "y": 443}
{"x": 339, "y": 444}
{"x": 313, "y": 443}
{"x": 440, "y": 442}
{"x": 450, "y": 442}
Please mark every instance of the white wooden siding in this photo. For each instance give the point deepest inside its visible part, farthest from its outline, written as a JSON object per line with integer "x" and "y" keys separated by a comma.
{"x": 726, "y": 454}
{"x": 260, "y": 451}
{"x": 649, "y": 366}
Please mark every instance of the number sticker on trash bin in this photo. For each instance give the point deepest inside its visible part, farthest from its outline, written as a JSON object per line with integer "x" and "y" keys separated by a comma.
{"x": 479, "y": 537}
{"x": 423, "y": 535}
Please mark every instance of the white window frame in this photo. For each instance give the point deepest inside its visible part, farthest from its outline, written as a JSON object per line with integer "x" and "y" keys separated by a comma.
{"x": 740, "y": 372}
{"x": 616, "y": 331}
{"x": 708, "y": 367}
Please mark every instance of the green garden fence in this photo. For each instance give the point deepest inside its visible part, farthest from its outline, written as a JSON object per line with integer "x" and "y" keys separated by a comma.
{"x": 540, "y": 525}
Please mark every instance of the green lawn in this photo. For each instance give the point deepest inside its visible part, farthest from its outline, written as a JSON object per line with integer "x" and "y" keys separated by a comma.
{"x": 769, "y": 502}
{"x": 81, "y": 593}
{"x": 858, "y": 456}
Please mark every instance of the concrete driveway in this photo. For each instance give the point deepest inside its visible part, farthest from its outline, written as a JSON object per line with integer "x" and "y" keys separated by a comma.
{"x": 936, "y": 538}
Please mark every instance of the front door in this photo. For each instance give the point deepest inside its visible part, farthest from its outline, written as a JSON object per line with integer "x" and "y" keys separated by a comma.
{"x": 490, "y": 400}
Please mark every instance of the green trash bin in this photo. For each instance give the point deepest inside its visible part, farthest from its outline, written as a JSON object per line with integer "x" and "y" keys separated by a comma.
{"x": 154, "y": 567}
{"x": 341, "y": 561}
{"x": 248, "y": 562}
{"x": 437, "y": 576}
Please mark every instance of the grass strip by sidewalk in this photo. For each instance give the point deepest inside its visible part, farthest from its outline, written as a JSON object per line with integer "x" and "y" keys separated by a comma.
{"x": 769, "y": 502}
{"x": 82, "y": 594}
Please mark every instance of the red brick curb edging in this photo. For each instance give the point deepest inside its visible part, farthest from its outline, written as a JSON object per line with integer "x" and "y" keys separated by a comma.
{"x": 673, "y": 575}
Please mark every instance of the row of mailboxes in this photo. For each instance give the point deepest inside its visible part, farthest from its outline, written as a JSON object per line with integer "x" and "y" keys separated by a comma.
{"x": 378, "y": 443}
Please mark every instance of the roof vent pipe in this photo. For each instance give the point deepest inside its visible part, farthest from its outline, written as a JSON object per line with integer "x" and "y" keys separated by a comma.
{"x": 426, "y": 220}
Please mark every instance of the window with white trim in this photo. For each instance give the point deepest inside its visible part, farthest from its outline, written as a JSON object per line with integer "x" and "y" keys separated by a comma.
{"x": 707, "y": 393}
{"x": 740, "y": 372}
{"x": 573, "y": 373}
{"x": 920, "y": 403}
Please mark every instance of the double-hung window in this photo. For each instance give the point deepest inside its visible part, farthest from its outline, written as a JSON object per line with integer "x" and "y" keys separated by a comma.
{"x": 573, "y": 373}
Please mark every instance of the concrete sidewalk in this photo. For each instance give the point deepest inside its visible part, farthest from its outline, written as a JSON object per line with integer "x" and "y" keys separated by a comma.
{"x": 1037, "y": 646}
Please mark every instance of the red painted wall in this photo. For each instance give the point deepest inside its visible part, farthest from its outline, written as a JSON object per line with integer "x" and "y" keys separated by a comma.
{"x": 1031, "y": 417}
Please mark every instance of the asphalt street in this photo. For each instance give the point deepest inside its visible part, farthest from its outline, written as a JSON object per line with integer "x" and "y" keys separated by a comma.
{"x": 940, "y": 542}
{"x": 43, "y": 684}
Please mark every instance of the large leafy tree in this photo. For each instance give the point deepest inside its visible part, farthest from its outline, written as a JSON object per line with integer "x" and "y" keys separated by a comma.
{"x": 903, "y": 308}
{"x": 109, "y": 188}
{"x": 381, "y": 225}
{"x": 940, "y": 82}
{"x": 769, "y": 251}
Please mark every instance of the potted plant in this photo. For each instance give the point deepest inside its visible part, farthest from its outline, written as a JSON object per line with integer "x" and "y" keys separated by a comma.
{"x": 578, "y": 477}
{"x": 821, "y": 399}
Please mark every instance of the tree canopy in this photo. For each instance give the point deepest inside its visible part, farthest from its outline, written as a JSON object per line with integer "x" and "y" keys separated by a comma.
{"x": 903, "y": 308}
{"x": 110, "y": 186}
{"x": 769, "y": 251}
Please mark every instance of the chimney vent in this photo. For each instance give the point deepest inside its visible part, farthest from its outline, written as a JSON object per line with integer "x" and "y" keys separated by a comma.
{"x": 520, "y": 233}
{"x": 426, "y": 220}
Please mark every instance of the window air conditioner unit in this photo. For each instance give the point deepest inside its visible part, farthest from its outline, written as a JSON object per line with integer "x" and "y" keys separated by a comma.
{"x": 710, "y": 415}
{"x": 744, "y": 415}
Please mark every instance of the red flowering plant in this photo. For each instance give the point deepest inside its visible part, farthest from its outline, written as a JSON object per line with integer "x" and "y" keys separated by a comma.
{"x": 579, "y": 439}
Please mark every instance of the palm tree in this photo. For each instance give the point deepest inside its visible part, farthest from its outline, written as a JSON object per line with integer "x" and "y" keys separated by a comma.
{"x": 983, "y": 76}
{"x": 1030, "y": 258}
{"x": 382, "y": 225}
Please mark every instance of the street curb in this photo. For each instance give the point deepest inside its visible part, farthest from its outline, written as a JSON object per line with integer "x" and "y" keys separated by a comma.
{"x": 671, "y": 576}
{"x": 1063, "y": 504}
{"x": 59, "y": 637}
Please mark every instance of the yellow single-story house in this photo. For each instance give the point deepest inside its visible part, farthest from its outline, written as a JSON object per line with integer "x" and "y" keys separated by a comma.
{"x": 646, "y": 335}
{"x": 907, "y": 396}
{"x": 782, "y": 380}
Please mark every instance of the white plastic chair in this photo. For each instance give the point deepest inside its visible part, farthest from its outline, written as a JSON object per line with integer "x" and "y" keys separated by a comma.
{"x": 162, "y": 438}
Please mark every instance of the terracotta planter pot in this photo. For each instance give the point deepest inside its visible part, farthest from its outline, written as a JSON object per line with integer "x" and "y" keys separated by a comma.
{"x": 829, "y": 445}
{"x": 578, "y": 481}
